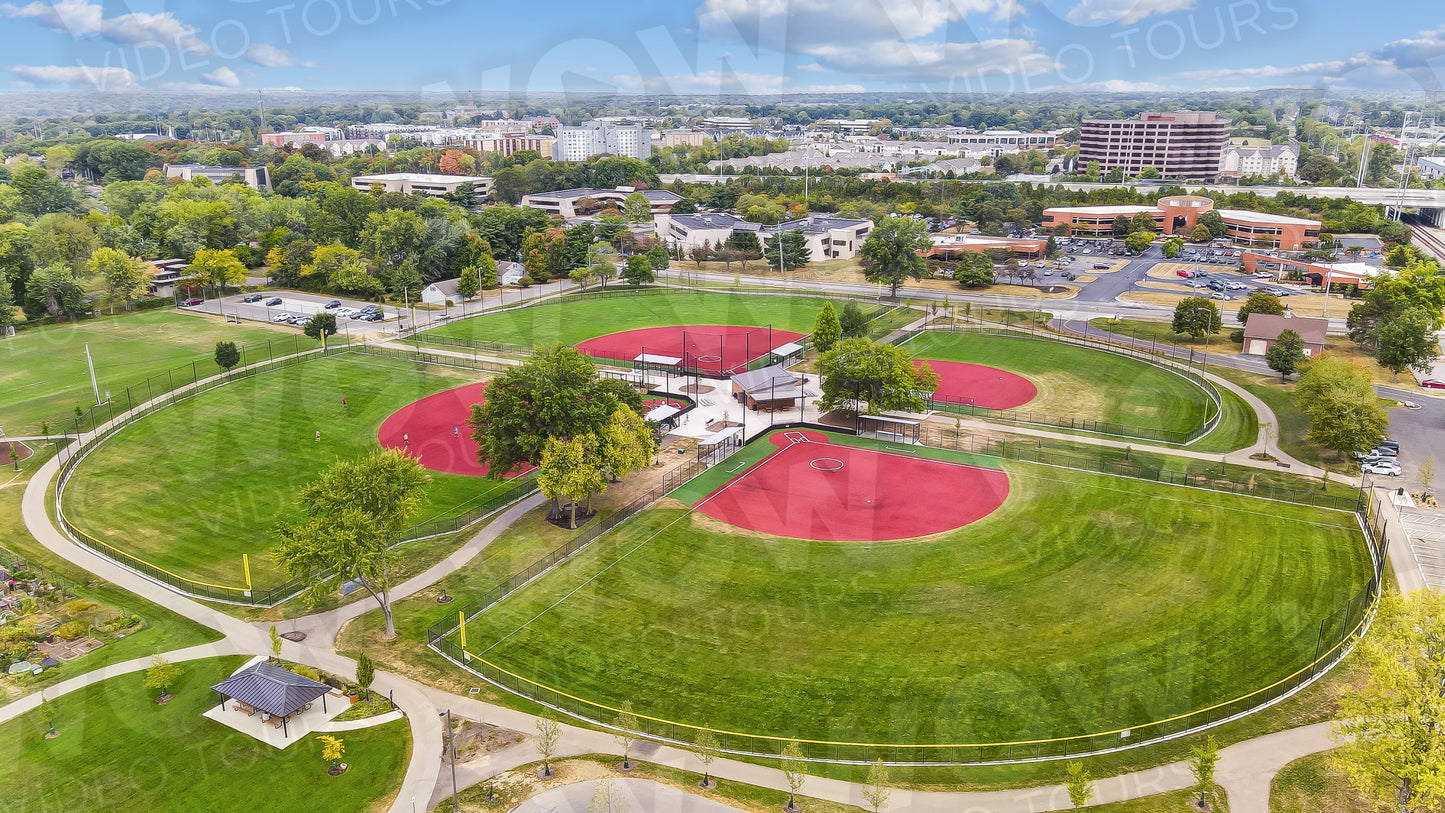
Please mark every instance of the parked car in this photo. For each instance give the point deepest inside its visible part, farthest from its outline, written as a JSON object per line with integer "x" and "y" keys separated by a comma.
{"x": 249, "y": 298}
{"x": 1387, "y": 468}
{"x": 192, "y": 302}
{"x": 1102, "y": 266}
{"x": 1386, "y": 443}
{"x": 1221, "y": 296}
{"x": 273, "y": 301}
{"x": 1184, "y": 272}
{"x": 1237, "y": 286}
{"x": 333, "y": 304}
{"x": 1433, "y": 384}
{"x": 281, "y": 317}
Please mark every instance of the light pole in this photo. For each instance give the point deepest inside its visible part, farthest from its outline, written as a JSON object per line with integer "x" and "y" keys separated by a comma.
{"x": 1208, "y": 327}
{"x": 452, "y": 747}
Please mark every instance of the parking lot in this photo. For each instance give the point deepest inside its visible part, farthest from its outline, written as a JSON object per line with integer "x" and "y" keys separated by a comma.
{"x": 295, "y": 305}
{"x": 1427, "y": 542}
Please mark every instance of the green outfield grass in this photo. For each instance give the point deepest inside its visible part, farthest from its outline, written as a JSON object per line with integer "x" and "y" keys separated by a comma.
{"x": 195, "y": 485}
{"x": 119, "y": 751}
{"x": 576, "y": 320}
{"x": 1076, "y": 382}
{"x": 1086, "y": 603}
{"x": 43, "y": 373}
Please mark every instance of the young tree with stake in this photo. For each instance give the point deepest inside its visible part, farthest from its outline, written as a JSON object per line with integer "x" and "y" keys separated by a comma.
{"x": 549, "y": 734}
{"x": 1079, "y": 784}
{"x": 705, "y": 749}
{"x": 875, "y": 790}
{"x": 1202, "y": 761}
{"x": 626, "y": 735}
{"x": 793, "y": 772}
{"x": 365, "y": 674}
{"x": 161, "y": 676}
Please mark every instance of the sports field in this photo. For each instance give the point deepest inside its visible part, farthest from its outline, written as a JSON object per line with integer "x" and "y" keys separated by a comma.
{"x": 574, "y": 321}
{"x": 43, "y": 373}
{"x": 1084, "y": 603}
{"x": 1076, "y": 381}
{"x": 193, "y": 486}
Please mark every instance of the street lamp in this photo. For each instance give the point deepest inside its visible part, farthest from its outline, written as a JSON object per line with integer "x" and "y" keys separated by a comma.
{"x": 452, "y": 747}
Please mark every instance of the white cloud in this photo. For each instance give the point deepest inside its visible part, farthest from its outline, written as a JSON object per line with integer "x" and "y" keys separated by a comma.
{"x": 1120, "y": 86}
{"x": 707, "y": 82}
{"x": 1125, "y": 12}
{"x": 99, "y": 78}
{"x": 904, "y": 40}
{"x": 1394, "y": 64}
{"x": 269, "y": 56}
{"x": 82, "y": 18}
{"x": 222, "y": 76}
{"x": 832, "y": 89}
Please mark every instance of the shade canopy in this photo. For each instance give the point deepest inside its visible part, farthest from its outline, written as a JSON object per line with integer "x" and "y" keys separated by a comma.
{"x": 271, "y": 689}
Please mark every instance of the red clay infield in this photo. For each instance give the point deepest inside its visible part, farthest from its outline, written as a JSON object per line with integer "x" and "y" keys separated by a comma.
{"x": 425, "y": 429}
{"x": 709, "y": 347}
{"x": 835, "y": 493}
{"x": 982, "y": 386}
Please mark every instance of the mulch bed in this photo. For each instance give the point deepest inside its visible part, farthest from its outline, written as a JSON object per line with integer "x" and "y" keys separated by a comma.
{"x": 19, "y": 448}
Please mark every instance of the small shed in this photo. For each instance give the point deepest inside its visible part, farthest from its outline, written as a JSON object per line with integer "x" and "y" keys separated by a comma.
{"x": 510, "y": 273}
{"x": 442, "y": 291}
{"x": 274, "y": 693}
{"x": 1262, "y": 329}
{"x": 769, "y": 388}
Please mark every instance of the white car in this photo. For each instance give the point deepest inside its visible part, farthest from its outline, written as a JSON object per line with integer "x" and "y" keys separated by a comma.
{"x": 1388, "y": 468}
{"x": 1263, "y": 275}
{"x": 281, "y": 317}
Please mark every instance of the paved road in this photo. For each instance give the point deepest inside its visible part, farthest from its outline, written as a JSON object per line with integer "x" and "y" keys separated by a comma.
{"x": 635, "y": 795}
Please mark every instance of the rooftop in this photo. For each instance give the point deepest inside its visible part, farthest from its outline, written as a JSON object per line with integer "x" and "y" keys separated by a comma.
{"x": 1264, "y": 217}
{"x": 1269, "y": 326}
{"x": 422, "y": 177}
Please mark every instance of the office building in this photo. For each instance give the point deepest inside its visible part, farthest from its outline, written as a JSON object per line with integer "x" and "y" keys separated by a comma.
{"x": 509, "y": 145}
{"x": 1178, "y": 145}
{"x": 1242, "y": 162}
{"x": 428, "y": 183}
{"x": 602, "y": 138}
{"x": 1179, "y": 214}
{"x": 565, "y": 202}
{"x": 255, "y": 177}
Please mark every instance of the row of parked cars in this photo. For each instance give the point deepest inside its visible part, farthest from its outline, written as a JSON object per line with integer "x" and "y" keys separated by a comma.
{"x": 1381, "y": 460}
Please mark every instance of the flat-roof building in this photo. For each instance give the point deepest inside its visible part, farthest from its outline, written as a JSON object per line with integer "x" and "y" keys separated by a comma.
{"x": 1178, "y": 145}
{"x": 509, "y": 145}
{"x": 1179, "y": 214}
{"x": 828, "y": 238}
{"x": 602, "y": 138}
{"x": 425, "y": 182}
{"x": 563, "y": 203}
{"x": 255, "y": 177}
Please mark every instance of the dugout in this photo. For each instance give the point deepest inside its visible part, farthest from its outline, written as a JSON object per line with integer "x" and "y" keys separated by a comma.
{"x": 716, "y": 447}
{"x": 888, "y": 427}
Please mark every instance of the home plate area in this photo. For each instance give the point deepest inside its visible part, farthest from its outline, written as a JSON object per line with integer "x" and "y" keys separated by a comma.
{"x": 815, "y": 488}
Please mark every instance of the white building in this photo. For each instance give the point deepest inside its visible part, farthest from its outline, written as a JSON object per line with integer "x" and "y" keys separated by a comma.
{"x": 1430, "y": 168}
{"x": 429, "y": 183}
{"x": 441, "y": 292}
{"x": 352, "y": 146}
{"x": 602, "y": 138}
{"x": 828, "y": 238}
{"x": 1001, "y": 142}
{"x": 563, "y": 203}
{"x": 510, "y": 273}
{"x": 693, "y": 231}
{"x": 728, "y": 123}
{"x": 255, "y": 177}
{"x": 1241, "y": 162}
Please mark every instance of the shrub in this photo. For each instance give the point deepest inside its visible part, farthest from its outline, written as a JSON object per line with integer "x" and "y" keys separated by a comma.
{"x": 72, "y": 630}
{"x": 1237, "y": 337}
{"x": 78, "y": 606}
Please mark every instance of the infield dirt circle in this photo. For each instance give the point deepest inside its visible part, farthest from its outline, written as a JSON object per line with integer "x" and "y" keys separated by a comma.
{"x": 989, "y": 387}
{"x": 724, "y": 348}
{"x": 834, "y": 492}
{"x": 434, "y": 430}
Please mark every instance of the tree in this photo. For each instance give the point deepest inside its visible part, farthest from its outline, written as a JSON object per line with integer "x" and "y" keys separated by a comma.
{"x": 48, "y": 714}
{"x": 826, "y": 328}
{"x": 704, "y": 747}
{"x": 626, "y": 733}
{"x": 1390, "y": 727}
{"x": 859, "y": 371}
{"x": 555, "y": 394}
{"x": 1407, "y": 342}
{"x": 320, "y": 326}
{"x": 8, "y": 319}
{"x": 549, "y": 734}
{"x": 1287, "y": 354}
{"x": 974, "y": 270}
{"x": 53, "y": 289}
{"x": 1202, "y": 760}
{"x": 626, "y": 443}
{"x": 1200, "y": 234}
{"x": 218, "y": 268}
{"x": 332, "y": 749}
{"x": 161, "y": 676}
{"x": 1079, "y": 784}
{"x": 795, "y": 252}
{"x": 365, "y": 673}
{"x": 637, "y": 208}
{"x": 1425, "y": 475}
{"x": 1121, "y": 226}
{"x": 607, "y": 798}
{"x": 1260, "y": 302}
{"x": 571, "y": 468}
{"x": 63, "y": 238}
{"x": 40, "y": 194}
{"x": 658, "y": 258}
{"x": 1213, "y": 221}
{"x": 638, "y": 271}
{"x": 890, "y": 255}
{"x": 1338, "y": 396}
{"x": 1139, "y": 241}
{"x": 353, "y": 511}
{"x": 227, "y": 355}
{"x": 875, "y": 790}
{"x": 1197, "y": 317}
{"x": 275, "y": 644}
{"x": 1051, "y": 248}
{"x": 1142, "y": 221}
{"x": 469, "y": 283}
{"x": 124, "y": 277}
{"x": 853, "y": 321}
{"x": 1172, "y": 247}
{"x": 794, "y": 771}
{"x": 394, "y": 238}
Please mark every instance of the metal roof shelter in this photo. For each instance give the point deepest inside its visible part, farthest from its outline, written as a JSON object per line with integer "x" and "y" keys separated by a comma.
{"x": 272, "y": 691}
{"x": 786, "y": 350}
{"x": 660, "y": 413}
{"x": 768, "y": 383}
{"x": 653, "y": 358}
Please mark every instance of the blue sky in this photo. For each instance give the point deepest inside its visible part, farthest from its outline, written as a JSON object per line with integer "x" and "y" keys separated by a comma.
{"x": 721, "y": 46}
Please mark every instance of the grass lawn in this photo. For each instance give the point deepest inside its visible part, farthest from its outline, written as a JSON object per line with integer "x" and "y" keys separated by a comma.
{"x": 576, "y": 320}
{"x": 1085, "y": 603}
{"x": 43, "y": 373}
{"x": 1078, "y": 382}
{"x": 1311, "y": 784}
{"x": 192, "y": 487}
{"x": 119, "y": 751}
{"x": 164, "y": 629}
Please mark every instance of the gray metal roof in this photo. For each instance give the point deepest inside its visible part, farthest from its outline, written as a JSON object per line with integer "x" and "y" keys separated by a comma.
{"x": 276, "y": 691}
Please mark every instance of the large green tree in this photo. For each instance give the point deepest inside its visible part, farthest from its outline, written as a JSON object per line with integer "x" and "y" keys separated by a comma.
{"x": 353, "y": 512}
{"x": 53, "y": 289}
{"x": 826, "y": 328}
{"x": 1196, "y": 316}
{"x": 1260, "y": 302}
{"x": 1408, "y": 342}
{"x": 63, "y": 238}
{"x": 218, "y": 268}
{"x": 555, "y": 394}
{"x": 1287, "y": 354}
{"x": 859, "y": 372}
{"x": 1338, "y": 396}
{"x": 795, "y": 252}
{"x": 394, "y": 239}
{"x": 638, "y": 271}
{"x": 853, "y": 321}
{"x": 1390, "y": 725}
{"x": 124, "y": 277}
{"x": 974, "y": 270}
{"x": 8, "y": 318}
{"x": 890, "y": 255}
{"x": 571, "y": 468}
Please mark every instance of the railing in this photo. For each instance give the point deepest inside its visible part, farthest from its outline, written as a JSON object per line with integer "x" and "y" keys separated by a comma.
{"x": 1331, "y": 639}
{"x": 961, "y": 406}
